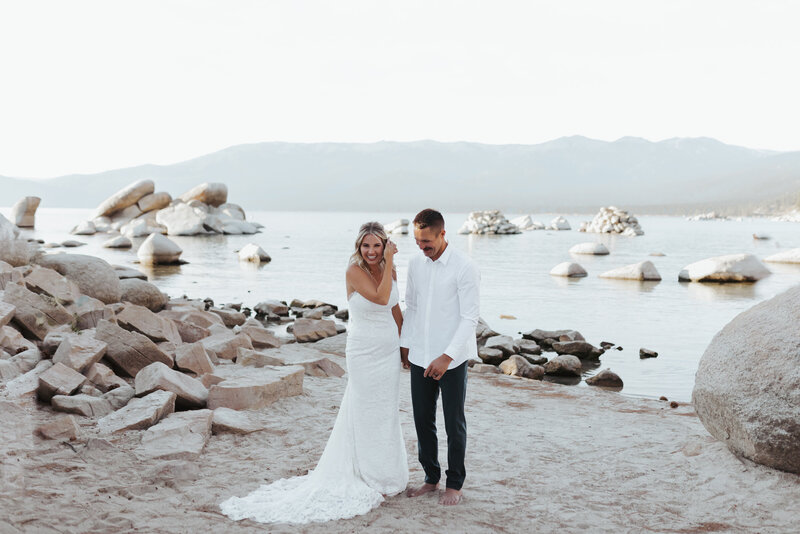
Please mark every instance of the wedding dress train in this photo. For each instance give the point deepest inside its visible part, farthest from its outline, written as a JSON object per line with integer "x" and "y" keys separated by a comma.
{"x": 365, "y": 457}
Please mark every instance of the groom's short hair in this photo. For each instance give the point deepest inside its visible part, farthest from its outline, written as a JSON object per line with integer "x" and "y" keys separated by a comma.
{"x": 429, "y": 218}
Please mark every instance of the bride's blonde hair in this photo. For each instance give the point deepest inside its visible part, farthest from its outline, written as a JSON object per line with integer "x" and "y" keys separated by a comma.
{"x": 369, "y": 228}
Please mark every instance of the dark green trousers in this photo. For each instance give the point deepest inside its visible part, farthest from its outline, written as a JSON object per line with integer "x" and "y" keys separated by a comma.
{"x": 424, "y": 397}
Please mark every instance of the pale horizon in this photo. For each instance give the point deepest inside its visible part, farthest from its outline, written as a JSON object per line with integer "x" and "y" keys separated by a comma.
{"x": 95, "y": 86}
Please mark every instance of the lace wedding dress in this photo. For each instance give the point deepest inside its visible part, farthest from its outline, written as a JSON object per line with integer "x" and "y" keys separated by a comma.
{"x": 365, "y": 457}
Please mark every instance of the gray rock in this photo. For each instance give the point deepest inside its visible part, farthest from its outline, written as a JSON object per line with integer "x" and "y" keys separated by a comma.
{"x": 605, "y": 378}
{"x": 581, "y": 349}
{"x": 564, "y": 365}
{"x": 504, "y": 343}
{"x": 647, "y": 353}
{"x": 309, "y": 330}
{"x": 491, "y": 356}
{"x": 747, "y": 386}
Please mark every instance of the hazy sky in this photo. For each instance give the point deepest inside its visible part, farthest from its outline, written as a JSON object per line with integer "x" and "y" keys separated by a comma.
{"x": 89, "y": 86}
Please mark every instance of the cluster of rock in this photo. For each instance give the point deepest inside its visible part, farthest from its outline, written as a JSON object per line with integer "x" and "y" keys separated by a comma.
{"x": 559, "y": 224}
{"x": 400, "y": 226}
{"x": 115, "y": 354}
{"x": 488, "y": 222}
{"x": 792, "y": 216}
{"x": 612, "y": 220}
{"x": 753, "y": 406}
{"x": 523, "y": 357}
{"x": 138, "y": 210}
{"x": 710, "y": 216}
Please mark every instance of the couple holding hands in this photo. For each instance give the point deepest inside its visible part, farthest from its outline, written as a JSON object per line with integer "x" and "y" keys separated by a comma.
{"x": 365, "y": 460}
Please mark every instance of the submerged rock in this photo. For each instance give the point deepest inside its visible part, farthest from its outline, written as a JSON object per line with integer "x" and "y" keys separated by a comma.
{"x": 597, "y": 249}
{"x": 642, "y": 271}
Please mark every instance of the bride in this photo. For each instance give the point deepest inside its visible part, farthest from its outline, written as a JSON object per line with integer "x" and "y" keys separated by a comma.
{"x": 365, "y": 458}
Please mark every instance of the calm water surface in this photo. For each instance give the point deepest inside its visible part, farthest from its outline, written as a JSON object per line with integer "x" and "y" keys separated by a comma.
{"x": 310, "y": 253}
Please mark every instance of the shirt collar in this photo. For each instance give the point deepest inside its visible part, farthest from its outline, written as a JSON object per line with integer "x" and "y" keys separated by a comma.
{"x": 444, "y": 258}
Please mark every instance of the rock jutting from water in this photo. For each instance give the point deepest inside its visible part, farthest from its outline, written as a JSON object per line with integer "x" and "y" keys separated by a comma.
{"x": 559, "y": 224}
{"x": 725, "y": 269}
{"x": 568, "y": 269}
{"x": 137, "y": 210}
{"x": 526, "y": 223}
{"x": 596, "y": 249}
{"x": 710, "y": 216}
{"x": 400, "y": 226}
{"x": 787, "y": 256}
{"x": 23, "y": 213}
{"x": 488, "y": 222}
{"x": 642, "y": 271}
{"x": 612, "y": 220}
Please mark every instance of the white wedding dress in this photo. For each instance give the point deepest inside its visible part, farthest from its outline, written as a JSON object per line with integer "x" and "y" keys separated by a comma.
{"x": 365, "y": 457}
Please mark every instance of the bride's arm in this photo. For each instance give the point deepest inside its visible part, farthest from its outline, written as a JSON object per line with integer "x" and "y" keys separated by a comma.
{"x": 396, "y": 313}
{"x": 359, "y": 280}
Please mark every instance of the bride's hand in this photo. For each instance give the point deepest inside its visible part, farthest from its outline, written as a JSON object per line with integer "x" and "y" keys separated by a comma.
{"x": 389, "y": 250}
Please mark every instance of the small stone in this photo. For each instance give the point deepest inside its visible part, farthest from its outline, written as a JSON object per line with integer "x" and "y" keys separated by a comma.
{"x": 491, "y": 356}
{"x": 673, "y": 404}
{"x": 647, "y": 353}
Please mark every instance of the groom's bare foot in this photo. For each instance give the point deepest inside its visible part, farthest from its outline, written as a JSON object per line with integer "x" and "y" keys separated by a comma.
{"x": 450, "y": 497}
{"x": 422, "y": 490}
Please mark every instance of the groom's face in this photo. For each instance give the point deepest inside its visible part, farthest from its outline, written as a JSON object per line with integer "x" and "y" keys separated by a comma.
{"x": 430, "y": 241}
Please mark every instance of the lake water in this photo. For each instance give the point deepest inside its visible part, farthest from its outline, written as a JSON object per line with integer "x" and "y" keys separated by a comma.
{"x": 310, "y": 253}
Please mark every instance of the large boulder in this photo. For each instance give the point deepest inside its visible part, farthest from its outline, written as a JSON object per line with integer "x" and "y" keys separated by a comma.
{"x": 125, "y": 197}
{"x": 153, "y": 202}
{"x": 184, "y": 219}
{"x": 729, "y": 268}
{"x": 35, "y": 314}
{"x": 129, "y": 351}
{"x": 157, "y": 250}
{"x": 95, "y": 277}
{"x": 143, "y": 293}
{"x": 213, "y": 194}
{"x": 13, "y": 250}
{"x": 642, "y": 271}
{"x": 24, "y": 212}
{"x": 747, "y": 386}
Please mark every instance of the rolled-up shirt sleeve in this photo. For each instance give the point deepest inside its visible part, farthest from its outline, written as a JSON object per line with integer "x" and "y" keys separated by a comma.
{"x": 409, "y": 317}
{"x": 469, "y": 280}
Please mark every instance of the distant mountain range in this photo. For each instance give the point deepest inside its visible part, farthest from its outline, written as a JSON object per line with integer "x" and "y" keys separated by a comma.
{"x": 570, "y": 173}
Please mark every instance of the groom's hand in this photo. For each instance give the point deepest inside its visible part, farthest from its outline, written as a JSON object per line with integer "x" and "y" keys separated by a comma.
{"x": 438, "y": 367}
{"x": 404, "y": 358}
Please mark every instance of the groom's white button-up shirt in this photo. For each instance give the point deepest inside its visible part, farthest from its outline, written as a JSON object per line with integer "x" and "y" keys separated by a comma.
{"x": 442, "y": 308}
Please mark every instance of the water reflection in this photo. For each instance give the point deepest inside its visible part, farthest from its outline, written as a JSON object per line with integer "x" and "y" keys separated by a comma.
{"x": 631, "y": 285}
{"x": 710, "y": 292}
{"x": 566, "y": 281}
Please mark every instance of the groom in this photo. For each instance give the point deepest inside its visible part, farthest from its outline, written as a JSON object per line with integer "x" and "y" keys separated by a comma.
{"x": 437, "y": 339}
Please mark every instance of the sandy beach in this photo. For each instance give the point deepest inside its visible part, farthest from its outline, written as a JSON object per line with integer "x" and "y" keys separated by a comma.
{"x": 541, "y": 457}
